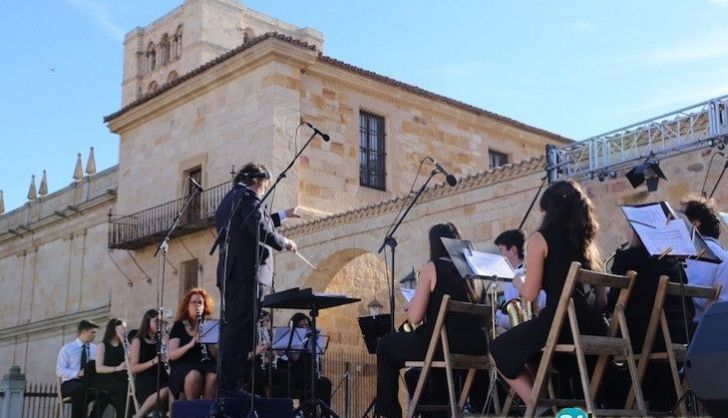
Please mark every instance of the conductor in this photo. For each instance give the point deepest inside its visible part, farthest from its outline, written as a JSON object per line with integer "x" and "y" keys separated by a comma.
{"x": 239, "y": 273}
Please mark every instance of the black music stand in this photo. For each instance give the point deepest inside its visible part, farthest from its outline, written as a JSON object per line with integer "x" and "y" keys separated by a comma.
{"x": 306, "y": 299}
{"x": 372, "y": 328}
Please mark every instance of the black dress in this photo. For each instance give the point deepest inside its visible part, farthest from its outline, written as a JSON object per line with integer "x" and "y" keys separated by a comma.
{"x": 191, "y": 360}
{"x": 115, "y": 383}
{"x": 465, "y": 332}
{"x": 657, "y": 383}
{"x": 522, "y": 344}
{"x": 146, "y": 381}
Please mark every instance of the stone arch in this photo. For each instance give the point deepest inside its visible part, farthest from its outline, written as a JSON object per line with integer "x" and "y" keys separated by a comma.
{"x": 172, "y": 76}
{"x": 354, "y": 272}
{"x": 152, "y": 87}
{"x": 248, "y": 34}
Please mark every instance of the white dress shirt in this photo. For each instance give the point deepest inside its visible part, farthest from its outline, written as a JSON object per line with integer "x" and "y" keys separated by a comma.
{"x": 701, "y": 273}
{"x": 69, "y": 359}
{"x": 510, "y": 292}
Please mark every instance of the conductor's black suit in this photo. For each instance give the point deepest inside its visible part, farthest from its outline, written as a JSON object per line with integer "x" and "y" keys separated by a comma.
{"x": 240, "y": 277}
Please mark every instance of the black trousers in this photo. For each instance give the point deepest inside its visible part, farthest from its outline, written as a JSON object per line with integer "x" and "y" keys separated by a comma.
{"x": 116, "y": 386}
{"x": 393, "y": 351}
{"x": 76, "y": 389}
{"x": 237, "y": 333}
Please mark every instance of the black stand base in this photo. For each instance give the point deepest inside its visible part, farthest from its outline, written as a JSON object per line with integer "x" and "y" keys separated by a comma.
{"x": 370, "y": 408}
{"x": 314, "y": 408}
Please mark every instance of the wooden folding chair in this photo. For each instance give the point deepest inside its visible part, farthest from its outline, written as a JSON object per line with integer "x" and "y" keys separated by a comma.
{"x": 451, "y": 361}
{"x": 130, "y": 389}
{"x": 60, "y": 400}
{"x": 673, "y": 352}
{"x": 605, "y": 347}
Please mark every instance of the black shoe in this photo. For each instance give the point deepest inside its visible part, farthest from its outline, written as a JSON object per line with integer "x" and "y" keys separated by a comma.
{"x": 235, "y": 394}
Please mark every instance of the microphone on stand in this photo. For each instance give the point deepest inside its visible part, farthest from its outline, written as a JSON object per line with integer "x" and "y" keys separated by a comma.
{"x": 451, "y": 180}
{"x": 196, "y": 184}
{"x": 323, "y": 136}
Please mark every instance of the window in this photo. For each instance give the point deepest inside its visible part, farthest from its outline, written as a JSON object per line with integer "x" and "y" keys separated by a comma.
{"x": 164, "y": 47}
{"x": 189, "y": 278}
{"x": 192, "y": 214}
{"x": 178, "y": 42}
{"x": 497, "y": 159}
{"x": 151, "y": 57}
{"x": 371, "y": 151}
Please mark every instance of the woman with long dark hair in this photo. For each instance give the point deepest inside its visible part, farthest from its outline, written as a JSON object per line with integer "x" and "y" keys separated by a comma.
{"x": 567, "y": 233}
{"x": 143, "y": 363}
{"x": 436, "y": 278}
{"x": 110, "y": 365}
{"x": 193, "y": 364}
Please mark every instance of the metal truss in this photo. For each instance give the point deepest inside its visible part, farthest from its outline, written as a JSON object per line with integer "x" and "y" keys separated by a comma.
{"x": 688, "y": 129}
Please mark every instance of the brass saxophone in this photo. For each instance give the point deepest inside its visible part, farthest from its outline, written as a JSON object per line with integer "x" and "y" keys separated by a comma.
{"x": 203, "y": 347}
{"x": 520, "y": 311}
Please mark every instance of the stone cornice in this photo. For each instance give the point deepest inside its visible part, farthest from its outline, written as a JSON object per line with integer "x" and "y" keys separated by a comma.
{"x": 54, "y": 324}
{"x": 501, "y": 174}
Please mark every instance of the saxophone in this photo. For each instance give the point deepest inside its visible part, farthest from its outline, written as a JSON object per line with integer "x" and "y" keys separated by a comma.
{"x": 203, "y": 347}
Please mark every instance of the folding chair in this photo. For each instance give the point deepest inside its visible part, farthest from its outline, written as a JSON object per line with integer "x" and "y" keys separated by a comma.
{"x": 60, "y": 400}
{"x": 451, "y": 361}
{"x": 130, "y": 389}
{"x": 674, "y": 352}
{"x": 604, "y": 347}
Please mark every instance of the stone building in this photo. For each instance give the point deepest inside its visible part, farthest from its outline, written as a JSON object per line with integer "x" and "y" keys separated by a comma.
{"x": 212, "y": 85}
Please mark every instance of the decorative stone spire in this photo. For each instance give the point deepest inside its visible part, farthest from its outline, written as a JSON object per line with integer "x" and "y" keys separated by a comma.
{"x": 78, "y": 172}
{"x": 31, "y": 191}
{"x": 91, "y": 164}
{"x": 43, "y": 189}
{"x": 2, "y": 203}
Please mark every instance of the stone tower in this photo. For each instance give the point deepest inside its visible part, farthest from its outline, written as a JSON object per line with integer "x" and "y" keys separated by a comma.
{"x": 190, "y": 36}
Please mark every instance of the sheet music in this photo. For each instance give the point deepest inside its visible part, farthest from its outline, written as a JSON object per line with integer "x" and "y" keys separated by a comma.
{"x": 489, "y": 265}
{"x": 674, "y": 235}
{"x": 282, "y": 337}
{"x": 653, "y": 215}
{"x": 210, "y": 331}
{"x": 723, "y": 217}
{"x": 408, "y": 294}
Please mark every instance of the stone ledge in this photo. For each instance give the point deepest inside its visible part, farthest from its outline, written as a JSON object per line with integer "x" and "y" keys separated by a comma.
{"x": 56, "y": 323}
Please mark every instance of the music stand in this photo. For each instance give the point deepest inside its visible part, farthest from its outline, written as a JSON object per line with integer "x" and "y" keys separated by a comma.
{"x": 373, "y": 328}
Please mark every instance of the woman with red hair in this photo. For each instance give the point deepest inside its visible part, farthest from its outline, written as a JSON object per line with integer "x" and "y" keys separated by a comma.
{"x": 193, "y": 364}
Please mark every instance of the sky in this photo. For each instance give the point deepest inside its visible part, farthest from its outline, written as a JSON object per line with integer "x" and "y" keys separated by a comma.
{"x": 577, "y": 68}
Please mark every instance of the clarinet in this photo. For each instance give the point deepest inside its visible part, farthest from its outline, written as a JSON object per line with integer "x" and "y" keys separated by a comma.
{"x": 203, "y": 347}
{"x": 163, "y": 351}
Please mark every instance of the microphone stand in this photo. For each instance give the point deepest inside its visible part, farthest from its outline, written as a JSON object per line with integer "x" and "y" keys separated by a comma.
{"x": 164, "y": 247}
{"x": 217, "y": 408}
{"x": 391, "y": 242}
{"x": 717, "y": 182}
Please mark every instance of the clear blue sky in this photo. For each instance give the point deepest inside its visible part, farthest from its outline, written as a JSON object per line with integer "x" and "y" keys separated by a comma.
{"x": 577, "y": 68}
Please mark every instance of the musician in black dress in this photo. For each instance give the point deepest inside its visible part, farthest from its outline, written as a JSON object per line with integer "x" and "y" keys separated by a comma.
{"x": 657, "y": 386}
{"x": 194, "y": 369}
{"x": 567, "y": 233}
{"x": 437, "y": 278}
{"x": 237, "y": 270}
{"x": 296, "y": 366}
{"x": 111, "y": 375}
{"x": 143, "y": 363}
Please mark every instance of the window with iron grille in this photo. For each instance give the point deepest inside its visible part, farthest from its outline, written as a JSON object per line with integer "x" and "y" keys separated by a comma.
{"x": 371, "y": 151}
{"x": 497, "y": 159}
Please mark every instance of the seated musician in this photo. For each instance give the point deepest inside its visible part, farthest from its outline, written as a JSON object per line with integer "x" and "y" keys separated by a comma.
{"x": 144, "y": 362}
{"x": 510, "y": 245}
{"x": 703, "y": 215}
{"x": 194, "y": 369}
{"x": 72, "y": 368}
{"x": 437, "y": 278}
{"x": 294, "y": 368}
{"x": 567, "y": 233}
{"x": 111, "y": 375}
{"x": 657, "y": 385}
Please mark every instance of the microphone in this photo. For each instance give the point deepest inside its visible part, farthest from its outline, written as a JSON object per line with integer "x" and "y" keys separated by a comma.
{"x": 316, "y": 131}
{"x": 196, "y": 184}
{"x": 451, "y": 180}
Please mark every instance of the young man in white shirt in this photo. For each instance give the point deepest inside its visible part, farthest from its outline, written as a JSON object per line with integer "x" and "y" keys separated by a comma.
{"x": 701, "y": 212}
{"x": 71, "y": 363}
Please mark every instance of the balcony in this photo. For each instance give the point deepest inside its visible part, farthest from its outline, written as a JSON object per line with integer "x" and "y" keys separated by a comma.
{"x": 138, "y": 230}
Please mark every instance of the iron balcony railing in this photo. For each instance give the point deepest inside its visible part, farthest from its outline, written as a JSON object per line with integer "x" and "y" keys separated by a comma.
{"x": 143, "y": 228}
